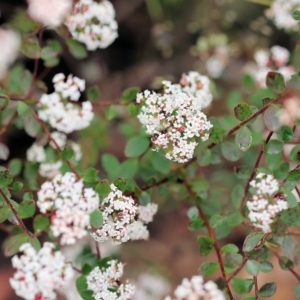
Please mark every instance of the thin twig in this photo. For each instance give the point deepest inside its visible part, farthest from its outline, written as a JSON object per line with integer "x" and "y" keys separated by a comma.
{"x": 290, "y": 268}
{"x": 98, "y": 250}
{"x": 48, "y": 133}
{"x": 20, "y": 222}
{"x": 254, "y": 169}
{"x": 4, "y": 128}
{"x": 213, "y": 237}
{"x": 255, "y": 287}
{"x": 238, "y": 269}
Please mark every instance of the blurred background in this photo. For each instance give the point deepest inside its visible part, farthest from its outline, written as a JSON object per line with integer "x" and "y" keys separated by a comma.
{"x": 161, "y": 39}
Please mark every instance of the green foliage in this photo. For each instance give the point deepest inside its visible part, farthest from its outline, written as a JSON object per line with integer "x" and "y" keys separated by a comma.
{"x": 296, "y": 291}
{"x": 40, "y": 223}
{"x": 15, "y": 166}
{"x": 252, "y": 240}
{"x": 103, "y": 188}
{"x": 5, "y": 178}
{"x": 90, "y": 175}
{"x": 275, "y": 82}
{"x": 242, "y": 286}
{"x": 230, "y": 151}
{"x": 137, "y": 146}
{"x": 243, "y": 138}
{"x": 208, "y": 268}
{"x": 242, "y": 111}
{"x": 252, "y": 267}
{"x": 13, "y": 243}
{"x": 206, "y": 245}
{"x": 274, "y": 147}
{"x": 93, "y": 93}
{"x": 130, "y": 94}
{"x": 267, "y": 290}
{"x": 285, "y": 133}
{"x": 96, "y": 219}
{"x": 76, "y": 49}
{"x": 26, "y": 209}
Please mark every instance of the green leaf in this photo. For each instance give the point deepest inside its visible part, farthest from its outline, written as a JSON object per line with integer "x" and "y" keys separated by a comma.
{"x": 291, "y": 217}
{"x": 208, "y": 268}
{"x": 252, "y": 267}
{"x": 103, "y": 188}
{"x": 5, "y": 178}
{"x": 110, "y": 164}
{"x": 249, "y": 298}
{"x": 160, "y": 163}
{"x": 15, "y": 166}
{"x": 295, "y": 154}
{"x": 81, "y": 283}
{"x": 130, "y": 94}
{"x": 137, "y": 146}
{"x": 232, "y": 261}
{"x": 266, "y": 266}
{"x": 31, "y": 48}
{"x": 217, "y": 135}
{"x": 96, "y": 219}
{"x": 230, "y": 151}
{"x": 267, "y": 290}
{"x": 285, "y": 263}
{"x": 242, "y": 286}
{"x": 229, "y": 248}
{"x": 67, "y": 153}
{"x": 128, "y": 168}
{"x": 294, "y": 175}
{"x": 90, "y": 175}
{"x": 4, "y": 213}
{"x": 86, "y": 269}
{"x": 22, "y": 108}
{"x": 243, "y": 138}
{"x": 291, "y": 199}
{"x": 296, "y": 290}
{"x": 237, "y": 195}
{"x": 12, "y": 244}
{"x": 285, "y": 133}
{"x": 242, "y": 172}
{"x": 26, "y": 209}
{"x": 204, "y": 157}
{"x": 132, "y": 109}
{"x": 206, "y": 245}
{"x": 233, "y": 219}
{"x": 242, "y": 111}
{"x": 215, "y": 220}
{"x": 93, "y": 93}
{"x": 121, "y": 184}
{"x": 272, "y": 117}
{"x": 275, "y": 82}
{"x": 252, "y": 240}
{"x": 40, "y": 223}
{"x": 274, "y": 147}
{"x": 296, "y": 15}
{"x": 76, "y": 49}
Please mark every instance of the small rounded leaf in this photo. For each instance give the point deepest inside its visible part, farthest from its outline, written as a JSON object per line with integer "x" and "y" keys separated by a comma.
{"x": 137, "y": 146}
{"x": 267, "y": 290}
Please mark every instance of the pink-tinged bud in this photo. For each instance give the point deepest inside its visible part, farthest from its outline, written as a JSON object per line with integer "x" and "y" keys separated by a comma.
{"x": 199, "y": 85}
{"x": 181, "y": 129}
{"x": 184, "y": 82}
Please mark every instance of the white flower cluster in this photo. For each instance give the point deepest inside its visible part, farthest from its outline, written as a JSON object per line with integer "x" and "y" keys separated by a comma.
{"x": 218, "y": 61}
{"x": 71, "y": 204}
{"x": 265, "y": 205}
{"x": 198, "y": 86}
{"x": 281, "y": 12}
{"x": 105, "y": 283}
{"x": 174, "y": 119}
{"x": 40, "y": 273}
{"x": 151, "y": 286}
{"x": 93, "y": 23}
{"x": 50, "y": 13}
{"x": 10, "y": 43}
{"x": 59, "y": 112}
{"x": 196, "y": 289}
{"x": 274, "y": 60}
{"x": 37, "y": 153}
{"x": 122, "y": 219}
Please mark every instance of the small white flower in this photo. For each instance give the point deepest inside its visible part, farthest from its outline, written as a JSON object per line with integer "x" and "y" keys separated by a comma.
{"x": 50, "y": 13}
{"x": 10, "y": 42}
{"x": 281, "y": 12}
{"x": 70, "y": 204}
{"x": 174, "y": 119}
{"x": 40, "y": 273}
{"x": 36, "y": 153}
{"x": 93, "y": 23}
{"x": 196, "y": 289}
{"x": 105, "y": 285}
